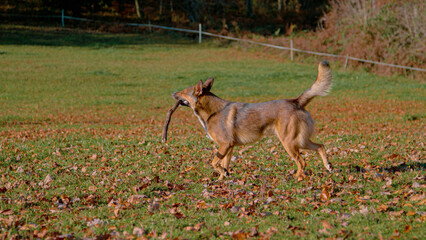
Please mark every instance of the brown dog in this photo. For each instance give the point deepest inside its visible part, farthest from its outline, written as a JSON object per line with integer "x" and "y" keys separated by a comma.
{"x": 232, "y": 124}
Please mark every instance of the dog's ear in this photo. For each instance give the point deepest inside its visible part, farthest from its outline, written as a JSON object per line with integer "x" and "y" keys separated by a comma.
{"x": 208, "y": 83}
{"x": 198, "y": 88}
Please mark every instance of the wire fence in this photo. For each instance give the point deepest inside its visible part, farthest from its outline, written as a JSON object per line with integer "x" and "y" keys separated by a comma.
{"x": 200, "y": 33}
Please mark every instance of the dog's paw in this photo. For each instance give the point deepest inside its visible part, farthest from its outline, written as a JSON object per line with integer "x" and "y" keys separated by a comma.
{"x": 300, "y": 176}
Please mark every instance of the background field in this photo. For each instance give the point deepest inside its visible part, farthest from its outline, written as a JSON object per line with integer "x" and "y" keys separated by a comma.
{"x": 80, "y": 154}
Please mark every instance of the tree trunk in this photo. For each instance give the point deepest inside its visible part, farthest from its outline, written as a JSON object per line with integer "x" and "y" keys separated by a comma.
{"x": 249, "y": 8}
{"x": 138, "y": 9}
{"x": 190, "y": 12}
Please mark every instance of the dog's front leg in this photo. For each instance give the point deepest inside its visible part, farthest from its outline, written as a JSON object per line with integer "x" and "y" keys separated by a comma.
{"x": 226, "y": 161}
{"x": 220, "y": 156}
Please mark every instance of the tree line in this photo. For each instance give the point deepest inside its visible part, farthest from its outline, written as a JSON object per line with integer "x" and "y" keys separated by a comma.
{"x": 252, "y": 15}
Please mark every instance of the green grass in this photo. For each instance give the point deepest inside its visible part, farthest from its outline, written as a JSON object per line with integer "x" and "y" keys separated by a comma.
{"x": 81, "y": 116}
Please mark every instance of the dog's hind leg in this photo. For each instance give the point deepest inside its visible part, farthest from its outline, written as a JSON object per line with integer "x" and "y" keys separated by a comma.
{"x": 294, "y": 154}
{"x": 288, "y": 135}
{"x": 220, "y": 155}
{"x": 226, "y": 161}
{"x": 321, "y": 150}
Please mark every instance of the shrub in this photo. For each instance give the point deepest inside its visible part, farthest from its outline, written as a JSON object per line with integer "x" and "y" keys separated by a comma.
{"x": 380, "y": 30}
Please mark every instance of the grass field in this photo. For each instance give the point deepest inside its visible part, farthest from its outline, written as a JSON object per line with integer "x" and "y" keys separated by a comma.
{"x": 81, "y": 116}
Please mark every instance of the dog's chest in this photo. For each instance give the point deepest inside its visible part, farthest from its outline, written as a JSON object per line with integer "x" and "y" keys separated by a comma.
{"x": 203, "y": 124}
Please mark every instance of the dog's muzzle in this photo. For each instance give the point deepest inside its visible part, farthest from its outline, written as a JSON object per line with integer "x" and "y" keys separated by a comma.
{"x": 183, "y": 102}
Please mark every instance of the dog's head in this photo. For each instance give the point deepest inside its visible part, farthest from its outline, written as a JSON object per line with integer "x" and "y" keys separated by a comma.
{"x": 189, "y": 96}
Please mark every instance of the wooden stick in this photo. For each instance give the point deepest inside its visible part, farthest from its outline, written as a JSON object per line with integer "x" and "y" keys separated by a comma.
{"x": 169, "y": 117}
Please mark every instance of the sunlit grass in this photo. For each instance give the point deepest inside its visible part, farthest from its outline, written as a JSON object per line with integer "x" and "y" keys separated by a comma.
{"x": 87, "y": 110}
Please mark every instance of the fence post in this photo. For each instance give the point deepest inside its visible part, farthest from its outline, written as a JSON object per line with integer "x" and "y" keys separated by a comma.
{"x": 199, "y": 34}
{"x": 291, "y": 49}
{"x": 63, "y": 22}
{"x": 346, "y": 62}
{"x": 149, "y": 26}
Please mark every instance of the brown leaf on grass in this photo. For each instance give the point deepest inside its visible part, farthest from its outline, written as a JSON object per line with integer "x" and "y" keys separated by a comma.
{"x": 417, "y": 197}
{"x": 188, "y": 228}
{"x": 197, "y": 227}
{"x": 116, "y": 212}
{"x": 6, "y": 212}
{"x": 363, "y": 210}
{"x": 48, "y": 179}
{"x": 407, "y": 229}
{"x": 163, "y": 236}
{"x": 138, "y": 231}
{"x": 396, "y": 234}
{"x": 179, "y": 215}
{"x": 135, "y": 199}
{"x": 153, "y": 207}
{"x": 324, "y": 231}
{"x": 397, "y": 214}
{"x": 28, "y": 226}
{"x": 422, "y": 202}
{"x": 40, "y": 233}
{"x": 411, "y": 213}
{"x": 326, "y": 224}
{"x": 239, "y": 235}
{"x": 253, "y": 232}
{"x": 382, "y": 208}
{"x": 325, "y": 195}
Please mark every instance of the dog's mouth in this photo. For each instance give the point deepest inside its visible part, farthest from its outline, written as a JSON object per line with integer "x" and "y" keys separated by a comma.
{"x": 182, "y": 101}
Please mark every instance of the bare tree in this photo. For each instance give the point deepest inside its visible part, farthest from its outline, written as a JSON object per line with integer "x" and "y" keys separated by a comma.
{"x": 138, "y": 9}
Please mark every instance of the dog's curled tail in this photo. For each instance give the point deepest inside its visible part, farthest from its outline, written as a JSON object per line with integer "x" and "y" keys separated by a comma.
{"x": 321, "y": 86}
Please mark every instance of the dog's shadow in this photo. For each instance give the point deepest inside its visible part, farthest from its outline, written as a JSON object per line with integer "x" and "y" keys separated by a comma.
{"x": 403, "y": 167}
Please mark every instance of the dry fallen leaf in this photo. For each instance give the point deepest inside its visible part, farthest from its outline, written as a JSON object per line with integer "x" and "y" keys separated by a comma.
{"x": 6, "y": 212}
{"x": 138, "y": 231}
{"x": 154, "y": 206}
{"x": 198, "y": 226}
{"x": 253, "y": 232}
{"x": 417, "y": 197}
{"x": 382, "y": 208}
{"x": 326, "y": 224}
{"x": 411, "y": 213}
{"x": 188, "y": 228}
{"x": 397, "y": 214}
{"x": 48, "y": 179}
{"x": 407, "y": 229}
{"x": 363, "y": 210}
{"x": 325, "y": 195}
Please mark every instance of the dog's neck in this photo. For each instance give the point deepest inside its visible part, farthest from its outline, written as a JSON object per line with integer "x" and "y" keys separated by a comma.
{"x": 208, "y": 105}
